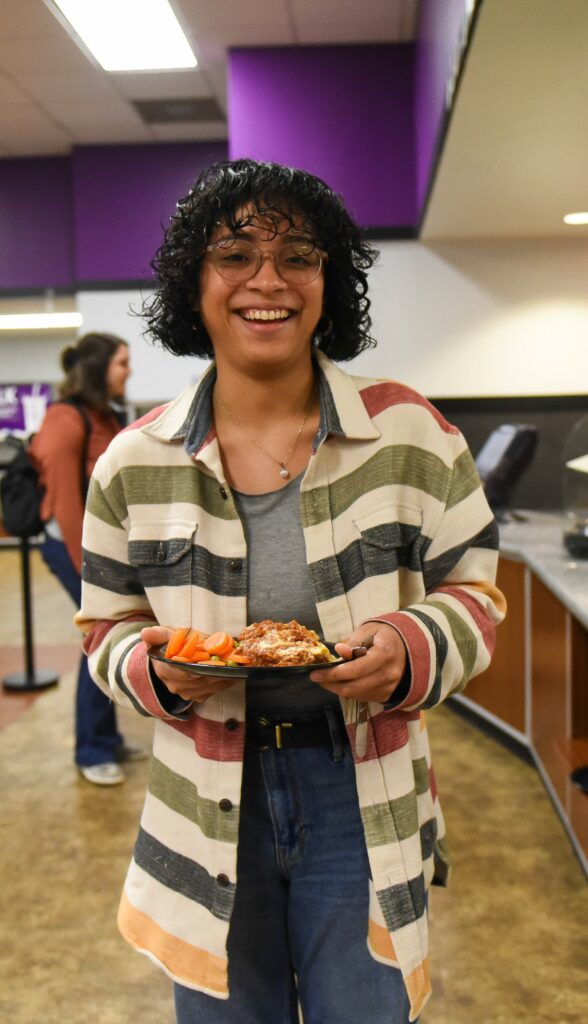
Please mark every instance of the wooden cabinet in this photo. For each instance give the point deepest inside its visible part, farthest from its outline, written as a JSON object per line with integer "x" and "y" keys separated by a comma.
{"x": 536, "y": 689}
{"x": 550, "y": 712}
{"x": 500, "y": 690}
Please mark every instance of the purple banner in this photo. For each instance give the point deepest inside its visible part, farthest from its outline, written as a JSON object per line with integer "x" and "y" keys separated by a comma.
{"x": 23, "y": 406}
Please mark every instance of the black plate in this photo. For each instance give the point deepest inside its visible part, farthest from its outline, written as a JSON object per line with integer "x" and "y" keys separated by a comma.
{"x": 208, "y": 668}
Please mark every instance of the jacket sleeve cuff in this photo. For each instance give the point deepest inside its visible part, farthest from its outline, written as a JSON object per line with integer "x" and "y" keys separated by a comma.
{"x": 170, "y": 702}
{"x": 151, "y": 697}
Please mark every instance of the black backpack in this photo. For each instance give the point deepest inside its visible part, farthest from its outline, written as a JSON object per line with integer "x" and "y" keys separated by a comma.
{"x": 20, "y": 490}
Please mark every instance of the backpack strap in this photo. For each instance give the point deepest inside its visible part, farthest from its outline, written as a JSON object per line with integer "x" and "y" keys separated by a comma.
{"x": 84, "y": 479}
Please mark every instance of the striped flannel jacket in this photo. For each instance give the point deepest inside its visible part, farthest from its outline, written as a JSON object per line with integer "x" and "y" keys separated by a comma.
{"x": 396, "y": 528}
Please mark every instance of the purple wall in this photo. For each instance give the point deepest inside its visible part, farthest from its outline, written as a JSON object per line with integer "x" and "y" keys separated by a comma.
{"x": 122, "y": 197}
{"x": 438, "y": 47}
{"x": 36, "y": 244}
{"x": 342, "y": 112}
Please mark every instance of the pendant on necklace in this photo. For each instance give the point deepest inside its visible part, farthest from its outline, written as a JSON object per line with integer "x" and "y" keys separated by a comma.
{"x": 284, "y": 472}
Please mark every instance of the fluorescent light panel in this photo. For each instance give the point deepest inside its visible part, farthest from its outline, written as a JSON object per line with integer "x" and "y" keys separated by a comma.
{"x": 576, "y": 218}
{"x": 130, "y": 35}
{"x": 39, "y": 321}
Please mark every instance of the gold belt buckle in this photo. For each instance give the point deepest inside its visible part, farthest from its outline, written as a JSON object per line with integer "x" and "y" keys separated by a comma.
{"x": 278, "y": 731}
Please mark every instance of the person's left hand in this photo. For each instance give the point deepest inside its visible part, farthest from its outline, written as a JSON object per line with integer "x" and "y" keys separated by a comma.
{"x": 375, "y": 675}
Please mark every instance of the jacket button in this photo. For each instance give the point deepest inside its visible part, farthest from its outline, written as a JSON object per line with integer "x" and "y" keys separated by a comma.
{"x": 235, "y": 565}
{"x": 231, "y": 724}
{"x": 225, "y": 805}
{"x": 223, "y": 493}
{"x": 223, "y": 880}
{"x": 160, "y": 553}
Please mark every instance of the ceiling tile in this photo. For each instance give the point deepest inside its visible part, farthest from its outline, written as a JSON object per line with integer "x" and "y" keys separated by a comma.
{"x": 224, "y": 14}
{"x": 111, "y": 133}
{"x": 91, "y": 85}
{"x": 27, "y": 130}
{"x": 216, "y": 75}
{"x": 349, "y": 21}
{"x": 23, "y": 17}
{"x": 39, "y": 54}
{"x": 81, "y": 118}
{"x": 10, "y": 92}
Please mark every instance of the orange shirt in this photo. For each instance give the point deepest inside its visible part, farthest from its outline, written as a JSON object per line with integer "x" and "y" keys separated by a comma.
{"x": 57, "y": 451}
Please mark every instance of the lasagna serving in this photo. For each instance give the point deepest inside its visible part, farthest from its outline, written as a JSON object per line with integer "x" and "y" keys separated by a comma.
{"x": 282, "y": 643}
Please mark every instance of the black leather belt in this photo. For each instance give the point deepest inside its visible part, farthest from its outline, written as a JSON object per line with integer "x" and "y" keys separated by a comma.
{"x": 265, "y": 733}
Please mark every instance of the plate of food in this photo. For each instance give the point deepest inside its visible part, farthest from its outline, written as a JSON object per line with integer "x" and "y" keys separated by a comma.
{"x": 263, "y": 648}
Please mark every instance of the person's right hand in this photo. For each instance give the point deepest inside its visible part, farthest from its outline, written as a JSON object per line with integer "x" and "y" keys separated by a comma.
{"x": 186, "y": 685}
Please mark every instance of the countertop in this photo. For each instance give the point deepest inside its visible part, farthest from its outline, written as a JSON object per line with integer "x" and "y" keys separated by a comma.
{"x": 538, "y": 542}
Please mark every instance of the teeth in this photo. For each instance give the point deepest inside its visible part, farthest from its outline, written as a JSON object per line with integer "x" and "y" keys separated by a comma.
{"x": 266, "y": 314}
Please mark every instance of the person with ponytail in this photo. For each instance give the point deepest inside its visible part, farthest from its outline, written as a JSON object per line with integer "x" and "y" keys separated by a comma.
{"x": 76, "y": 430}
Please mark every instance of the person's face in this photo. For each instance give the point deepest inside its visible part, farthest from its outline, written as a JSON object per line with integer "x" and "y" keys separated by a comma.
{"x": 264, "y": 323}
{"x": 117, "y": 374}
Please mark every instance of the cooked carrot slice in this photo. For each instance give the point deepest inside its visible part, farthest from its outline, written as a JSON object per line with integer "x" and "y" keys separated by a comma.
{"x": 200, "y": 656}
{"x": 218, "y": 643}
{"x": 192, "y": 644}
{"x": 176, "y": 641}
{"x": 226, "y": 651}
{"x": 180, "y": 657}
{"x": 240, "y": 659}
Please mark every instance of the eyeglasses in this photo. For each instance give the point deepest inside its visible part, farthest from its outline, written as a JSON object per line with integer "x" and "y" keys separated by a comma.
{"x": 237, "y": 260}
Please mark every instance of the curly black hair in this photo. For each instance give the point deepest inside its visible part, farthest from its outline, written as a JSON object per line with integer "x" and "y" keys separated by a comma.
{"x": 278, "y": 194}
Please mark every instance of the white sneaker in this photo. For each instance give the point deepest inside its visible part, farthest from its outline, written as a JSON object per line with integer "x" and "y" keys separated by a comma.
{"x": 107, "y": 774}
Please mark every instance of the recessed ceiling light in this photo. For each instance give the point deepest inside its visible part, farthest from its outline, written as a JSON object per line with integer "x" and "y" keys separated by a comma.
{"x": 576, "y": 218}
{"x": 129, "y": 35}
{"x": 39, "y": 321}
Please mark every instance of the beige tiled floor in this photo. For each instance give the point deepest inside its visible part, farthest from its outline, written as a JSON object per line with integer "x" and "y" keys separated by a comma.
{"x": 509, "y": 936}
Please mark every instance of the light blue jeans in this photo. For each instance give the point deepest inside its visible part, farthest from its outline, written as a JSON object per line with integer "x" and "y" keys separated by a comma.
{"x": 299, "y": 925}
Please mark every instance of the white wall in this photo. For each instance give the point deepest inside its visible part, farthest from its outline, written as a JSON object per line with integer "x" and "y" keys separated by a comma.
{"x": 481, "y": 318}
{"x": 453, "y": 320}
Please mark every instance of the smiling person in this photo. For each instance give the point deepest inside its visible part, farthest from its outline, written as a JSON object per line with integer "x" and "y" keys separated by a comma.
{"x": 291, "y": 826}
{"x": 75, "y": 432}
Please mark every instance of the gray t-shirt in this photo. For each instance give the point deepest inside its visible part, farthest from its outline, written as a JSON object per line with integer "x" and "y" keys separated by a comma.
{"x": 279, "y": 588}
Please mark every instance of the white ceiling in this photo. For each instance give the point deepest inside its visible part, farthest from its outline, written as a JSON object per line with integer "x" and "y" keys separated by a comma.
{"x": 52, "y": 97}
{"x": 516, "y": 154}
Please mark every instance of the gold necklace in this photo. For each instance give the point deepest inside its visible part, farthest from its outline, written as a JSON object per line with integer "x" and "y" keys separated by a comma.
{"x": 282, "y": 463}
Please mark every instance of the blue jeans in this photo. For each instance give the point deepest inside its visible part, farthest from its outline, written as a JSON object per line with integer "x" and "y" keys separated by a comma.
{"x": 299, "y": 925}
{"x": 97, "y": 737}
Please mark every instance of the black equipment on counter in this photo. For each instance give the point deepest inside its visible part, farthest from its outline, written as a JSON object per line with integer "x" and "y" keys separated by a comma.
{"x": 502, "y": 460}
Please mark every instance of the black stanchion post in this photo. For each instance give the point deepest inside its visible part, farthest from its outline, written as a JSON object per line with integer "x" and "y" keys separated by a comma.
{"x": 31, "y": 678}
